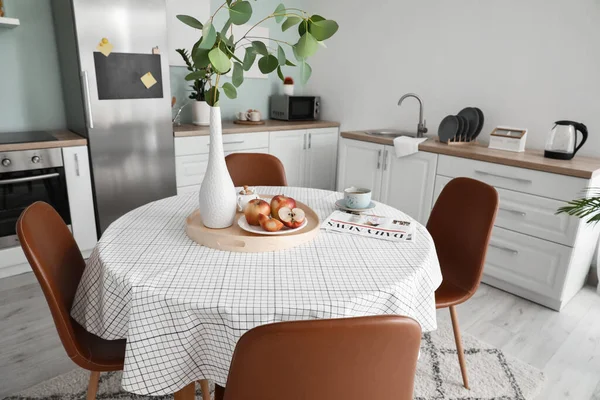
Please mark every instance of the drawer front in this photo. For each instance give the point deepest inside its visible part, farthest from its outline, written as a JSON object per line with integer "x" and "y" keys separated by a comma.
{"x": 528, "y": 214}
{"x": 231, "y": 143}
{"x": 527, "y": 262}
{"x": 188, "y": 189}
{"x": 190, "y": 170}
{"x": 539, "y": 183}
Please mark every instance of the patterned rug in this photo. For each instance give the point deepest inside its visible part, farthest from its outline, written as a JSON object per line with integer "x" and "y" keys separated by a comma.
{"x": 492, "y": 376}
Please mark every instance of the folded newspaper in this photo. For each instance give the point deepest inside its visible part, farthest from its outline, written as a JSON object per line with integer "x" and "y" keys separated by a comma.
{"x": 370, "y": 225}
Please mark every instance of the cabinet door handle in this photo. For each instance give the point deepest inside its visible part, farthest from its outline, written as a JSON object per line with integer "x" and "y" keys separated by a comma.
{"x": 385, "y": 156}
{"x": 517, "y": 212}
{"x": 304, "y": 145}
{"x": 29, "y": 178}
{"x": 502, "y": 176}
{"x": 309, "y": 140}
{"x": 379, "y": 159}
{"x": 506, "y": 249}
{"x": 76, "y": 164}
{"x": 232, "y": 142}
{"x": 88, "y": 100}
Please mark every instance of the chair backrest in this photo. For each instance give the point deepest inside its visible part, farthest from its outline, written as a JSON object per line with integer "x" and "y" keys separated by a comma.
{"x": 255, "y": 169}
{"x": 350, "y": 359}
{"x": 57, "y": 263}
{"x": 461, "y": 224}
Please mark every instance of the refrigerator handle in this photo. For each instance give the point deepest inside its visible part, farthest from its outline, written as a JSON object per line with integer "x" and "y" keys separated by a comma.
{"x": 88, "y": 101}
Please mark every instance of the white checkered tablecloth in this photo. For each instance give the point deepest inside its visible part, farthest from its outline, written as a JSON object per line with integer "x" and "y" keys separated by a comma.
{"x": 182, "y": 307}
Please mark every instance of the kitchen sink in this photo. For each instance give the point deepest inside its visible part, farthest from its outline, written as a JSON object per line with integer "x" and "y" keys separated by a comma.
{"x": 392, "y": 133}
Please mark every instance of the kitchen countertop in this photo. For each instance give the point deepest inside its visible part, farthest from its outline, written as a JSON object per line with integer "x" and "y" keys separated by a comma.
{"x": 64, "y": 138}
{"x": 270, "y": 125}
{"x": 580, "y": 167}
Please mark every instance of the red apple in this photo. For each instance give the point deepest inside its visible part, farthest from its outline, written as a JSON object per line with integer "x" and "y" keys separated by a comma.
{"x": 292, "y": 218}
{"x": 280, "y": 201}
{"x": 269, "y": 224}
{"x": 254, "y": 209}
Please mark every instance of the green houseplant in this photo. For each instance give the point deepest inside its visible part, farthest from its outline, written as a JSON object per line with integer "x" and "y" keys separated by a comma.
{"x": 214, "y": 55}
{"x": 200, "y": 108}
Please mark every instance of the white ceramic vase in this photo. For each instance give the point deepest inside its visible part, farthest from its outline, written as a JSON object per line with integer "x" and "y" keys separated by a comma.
{"x": 288, "y": 90}
{"x": 218, "y": 200}
{"x": 200, "y": 113}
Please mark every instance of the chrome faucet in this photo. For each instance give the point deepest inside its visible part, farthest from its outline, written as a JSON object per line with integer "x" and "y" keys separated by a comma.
{"x": 421, "y": 128}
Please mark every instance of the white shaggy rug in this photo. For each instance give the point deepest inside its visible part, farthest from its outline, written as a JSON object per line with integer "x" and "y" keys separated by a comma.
{"x": 492, "y": 376}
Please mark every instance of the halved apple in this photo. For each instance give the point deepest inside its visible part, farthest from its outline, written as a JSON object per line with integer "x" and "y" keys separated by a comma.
{"x": 291, "y": 217}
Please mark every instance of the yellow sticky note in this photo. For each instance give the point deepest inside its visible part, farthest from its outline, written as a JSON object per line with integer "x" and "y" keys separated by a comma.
{"x": 148, "y": 80}
{"x": 104, "y": 47}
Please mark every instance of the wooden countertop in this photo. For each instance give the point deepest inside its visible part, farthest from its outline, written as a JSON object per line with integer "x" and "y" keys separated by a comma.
{"x": 270, "y": 125}
{"x": 580, "y": 167}
{"x": 64, "y": 138}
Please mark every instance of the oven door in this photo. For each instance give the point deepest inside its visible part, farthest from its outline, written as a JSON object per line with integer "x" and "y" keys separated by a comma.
{"x": 301, "y": 108}
{"x": 18, "y": 190}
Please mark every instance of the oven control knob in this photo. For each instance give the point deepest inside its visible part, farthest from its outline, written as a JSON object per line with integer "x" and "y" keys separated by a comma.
{"x": 35, "y": 159}
{"x": 6, "y": 162}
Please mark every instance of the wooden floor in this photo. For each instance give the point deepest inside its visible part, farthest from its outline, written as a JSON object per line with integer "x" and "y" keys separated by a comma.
{"x": 565, "y": 345}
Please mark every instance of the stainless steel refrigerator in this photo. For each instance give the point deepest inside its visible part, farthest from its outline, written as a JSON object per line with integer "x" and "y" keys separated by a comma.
{"x": 128, "y": 125}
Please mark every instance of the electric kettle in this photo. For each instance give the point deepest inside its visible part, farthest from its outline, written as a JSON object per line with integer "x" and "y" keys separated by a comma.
{"x": 562, "y": 141}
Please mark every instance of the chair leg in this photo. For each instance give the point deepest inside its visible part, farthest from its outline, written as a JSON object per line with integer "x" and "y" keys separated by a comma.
{"x": 187, "y": 393}
{"x": 93, "y": 385}
{"x": 204, "y": 386}
{"x": 219, "y": 392}
{"x": 459, "y": 346}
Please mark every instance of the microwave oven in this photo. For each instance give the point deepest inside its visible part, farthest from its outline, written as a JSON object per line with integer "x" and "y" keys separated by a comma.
{"x": 295, "y": 108}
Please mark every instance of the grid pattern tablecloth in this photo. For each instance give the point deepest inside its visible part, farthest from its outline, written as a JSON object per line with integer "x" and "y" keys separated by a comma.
{"x": 182, "y": 307}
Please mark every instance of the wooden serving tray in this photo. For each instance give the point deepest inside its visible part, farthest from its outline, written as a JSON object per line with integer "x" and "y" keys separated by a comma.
{"x": 238, "y": 240}
{"x": 242, "y": 122}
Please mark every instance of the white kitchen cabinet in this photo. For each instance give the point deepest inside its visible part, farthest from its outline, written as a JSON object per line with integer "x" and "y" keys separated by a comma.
{"x": 308, "y": 156}
{"x": 406, "y": 183}
{"x": 81, "y": 200}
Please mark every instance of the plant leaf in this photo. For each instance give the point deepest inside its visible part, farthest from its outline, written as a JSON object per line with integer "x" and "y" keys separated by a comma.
{"x": 307, "y": 45}
{"x": 323, "y": 30}
{"x": 209, "y": 36}
{"x": 240, "y": 12}
{"x": 219, "y": 60}
{"x": 268, "y": 64}
{"x": 279, "y": 11}
{"x": 289, "y": 22}
{"x": 226, "y": 28}
{"x": 305, "y": 72}
{"x": 191, "y": 21}
{"x": 249, "y": 58}
{"x": 291, "y": 64}
{"x": 281, "y": 55}
{"x": 212, "y": 96}
{"x": 280, "y": 74}
{"x": 237, "y": 77}
{"x": 201, "y": 59}
{"x": 303, "y": 27}
{"x": 229, "y": 90}
{"x": 260, "y": 48}
{"x": 195, "y": 75}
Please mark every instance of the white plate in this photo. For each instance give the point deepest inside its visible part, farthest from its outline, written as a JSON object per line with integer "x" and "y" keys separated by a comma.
{"x": 342, "y": 206}
{"x": 257, "y": 229}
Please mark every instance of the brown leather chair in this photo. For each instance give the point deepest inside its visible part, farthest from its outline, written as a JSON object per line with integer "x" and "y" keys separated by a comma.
{"x": 255, "y": 169}
{"x": 350, "y": 359}
{"x": 58, "y": 266}
{"x": 461, "y": 224}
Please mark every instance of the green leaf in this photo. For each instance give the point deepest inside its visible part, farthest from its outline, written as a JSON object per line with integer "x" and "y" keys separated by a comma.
{"x": 219, "y": 60}
{"x": 226, "y": 28}
{"x": 305, "y": 72}
{"x": 289, "y": 22}
{"x": 195, "y": 75}
{"x": 280, "y": 74}
{"x": 306, "y": 46}
{"x": 304, "y": 26}
{"x": 209, "y": 36}
{"x": 240, "y": 12}
{"x": 191, "y": 21}
{"x": 249, "y": 58}
{"x": 279, "y": 13}
{"x": 281, "y": 55}
{"x": 323, "y": 30}
{"x": 260, "y": 48}
{"x": 229, "y": 90}
{"x": 210, "y": 97}
{"x": 289, "y": 63}
{"x": 238, "y": 74}
{"x": 201, "y": 59}
{"x": 268, "y": 64}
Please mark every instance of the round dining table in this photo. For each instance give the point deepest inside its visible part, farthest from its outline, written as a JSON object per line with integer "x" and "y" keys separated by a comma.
{"x": 182, "y": 307}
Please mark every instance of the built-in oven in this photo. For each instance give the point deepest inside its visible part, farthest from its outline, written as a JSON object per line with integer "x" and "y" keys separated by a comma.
{"x": 26, "y": 177}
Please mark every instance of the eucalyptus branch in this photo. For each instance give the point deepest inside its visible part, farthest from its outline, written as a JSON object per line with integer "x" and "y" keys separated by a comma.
{"x": 264, "y": 19}
{"x": 213, "y": 16}
{"x": 216, "y": 87}
{"x": 274, "y": 40}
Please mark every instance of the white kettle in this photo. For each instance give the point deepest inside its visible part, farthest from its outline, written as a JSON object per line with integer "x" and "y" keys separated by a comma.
{"x": 562, "y": 141}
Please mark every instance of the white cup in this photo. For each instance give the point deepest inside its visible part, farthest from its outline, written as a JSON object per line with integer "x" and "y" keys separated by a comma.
{"x": 357, "y": 198}
{"x": 253, "y": 116}
{"x": 241, "y": 116}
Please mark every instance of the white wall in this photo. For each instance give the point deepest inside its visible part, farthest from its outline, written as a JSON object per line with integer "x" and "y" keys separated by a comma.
{"x": 525, "y": 63}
